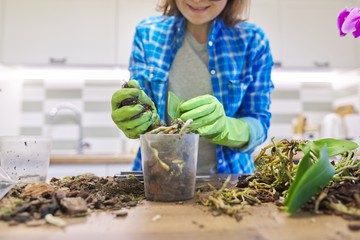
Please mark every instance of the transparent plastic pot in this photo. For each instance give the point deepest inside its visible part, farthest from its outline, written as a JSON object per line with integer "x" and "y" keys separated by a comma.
{"x": 169, "y": 166}
{"x": 23, "y": 159}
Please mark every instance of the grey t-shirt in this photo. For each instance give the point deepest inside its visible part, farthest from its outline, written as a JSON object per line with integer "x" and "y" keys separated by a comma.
{"x": 190, "y": 77}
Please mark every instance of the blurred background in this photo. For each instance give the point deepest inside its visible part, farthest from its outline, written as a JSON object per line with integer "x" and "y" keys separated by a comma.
{"x": 61, "y": 61}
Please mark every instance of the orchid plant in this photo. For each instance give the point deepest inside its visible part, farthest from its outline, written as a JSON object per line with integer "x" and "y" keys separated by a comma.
{"x": 348, "y": 21}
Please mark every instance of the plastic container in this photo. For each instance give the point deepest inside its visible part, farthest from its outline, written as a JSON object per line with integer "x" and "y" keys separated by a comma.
{"x": 25, "y": 158}
{"x": 6, "y": 183}
{"x": 169, "y": 166}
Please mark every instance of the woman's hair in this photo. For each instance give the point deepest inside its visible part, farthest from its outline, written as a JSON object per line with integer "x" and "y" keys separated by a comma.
{"x": 235, "y": 10}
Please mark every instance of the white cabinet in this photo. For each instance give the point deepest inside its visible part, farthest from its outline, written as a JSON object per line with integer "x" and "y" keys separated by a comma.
{"x": 73, "y": 32}
{"x": 310, "y": 37}
{"x": 130, "y": 13}
{"x": 1, "y": 25}
{"x": 302, "y": 34}
{"x": 265, "y": 13}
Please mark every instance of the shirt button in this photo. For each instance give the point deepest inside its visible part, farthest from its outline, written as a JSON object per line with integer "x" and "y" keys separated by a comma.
{"x": 220, "y": 161}
{"x": 151, "y": 75}
{"x": 213, "y": 72}
{"x": 210, "y": 43}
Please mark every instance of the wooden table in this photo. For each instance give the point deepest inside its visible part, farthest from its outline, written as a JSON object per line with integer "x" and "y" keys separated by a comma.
{"x": 156, "y": 220}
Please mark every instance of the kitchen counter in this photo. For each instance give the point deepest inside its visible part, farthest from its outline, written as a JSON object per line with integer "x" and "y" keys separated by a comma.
{"x": 100, "y": 165}
{"x": 188, "y": 220}
{"x": 153, "y": 220}
{"x": 90, "y": 159}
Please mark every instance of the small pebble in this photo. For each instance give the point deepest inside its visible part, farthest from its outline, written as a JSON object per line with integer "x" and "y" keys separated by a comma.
{"x": 354, "y": 227}
{"x": 120, "y": 213}
{"x": 13, "y": 223}
{"x": 132, "y": 203}
{"x": 216, "y": 213}
{"x": 156, "y": 218}
{"x": 55, "y": 221}
{"x": 238, "y": 217}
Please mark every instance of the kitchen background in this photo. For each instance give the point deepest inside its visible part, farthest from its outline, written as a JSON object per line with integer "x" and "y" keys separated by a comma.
{"x": 71, "y": 56}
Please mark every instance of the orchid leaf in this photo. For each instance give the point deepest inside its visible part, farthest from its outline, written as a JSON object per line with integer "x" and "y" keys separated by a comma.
{"x": 173, "y": 105}
{"x": 309, "y": 181}
{"x": 304, "y": 165}
{"x": 334, "y": 146}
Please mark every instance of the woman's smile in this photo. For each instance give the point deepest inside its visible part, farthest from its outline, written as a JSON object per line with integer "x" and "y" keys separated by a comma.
{"x": 199, "y": 14}
{"x": 197, "y": 9}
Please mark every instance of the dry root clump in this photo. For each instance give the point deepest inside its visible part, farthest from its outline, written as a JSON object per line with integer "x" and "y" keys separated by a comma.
{"x": 177, "y": 127}
{"x": 275, "y": 171}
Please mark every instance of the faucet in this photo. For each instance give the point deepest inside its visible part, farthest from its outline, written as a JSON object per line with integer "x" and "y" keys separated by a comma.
{"x": 69, "y": 106}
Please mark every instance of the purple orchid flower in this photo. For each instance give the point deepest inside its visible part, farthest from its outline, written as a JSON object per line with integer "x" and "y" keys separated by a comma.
{"x": 349, "y": 22}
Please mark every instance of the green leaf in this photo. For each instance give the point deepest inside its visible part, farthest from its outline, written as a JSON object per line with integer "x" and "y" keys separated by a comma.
{"x": 173, "y": 105}
{"x": 304, "y": 165}
{"x": 334, "y": 146}
{"x": 311, "y": 179}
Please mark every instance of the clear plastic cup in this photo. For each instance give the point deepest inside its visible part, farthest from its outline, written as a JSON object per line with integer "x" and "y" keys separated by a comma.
{"x": 169, "y": 166}
{"x": 25, "y": 158}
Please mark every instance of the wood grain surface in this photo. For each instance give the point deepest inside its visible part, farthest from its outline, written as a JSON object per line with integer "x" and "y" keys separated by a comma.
{"x": 153, "y": 220}
{"x": 188, "y": 220}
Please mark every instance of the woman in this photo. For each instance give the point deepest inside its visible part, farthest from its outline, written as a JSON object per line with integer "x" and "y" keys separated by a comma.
{"x": 204, "y": 52}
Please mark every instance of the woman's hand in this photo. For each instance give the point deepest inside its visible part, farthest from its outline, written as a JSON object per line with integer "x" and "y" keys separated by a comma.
{"x": 207, "y": 113}
{"x": 211, "y": 122}
{"x": 133, "y": 111}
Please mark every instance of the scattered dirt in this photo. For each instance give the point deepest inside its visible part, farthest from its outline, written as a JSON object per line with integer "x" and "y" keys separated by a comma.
{"x": 36, "y": 203}
{"x": 70, "y": 196}
{"x": 128, "y": 101}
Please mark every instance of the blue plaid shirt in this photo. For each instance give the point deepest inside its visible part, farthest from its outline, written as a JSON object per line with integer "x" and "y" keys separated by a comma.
{"x": 240, "y": 66}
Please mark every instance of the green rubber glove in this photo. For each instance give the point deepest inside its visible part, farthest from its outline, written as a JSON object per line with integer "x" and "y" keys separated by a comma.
{"x": 210, "y": 121}
{"x": 133, "y": 111}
